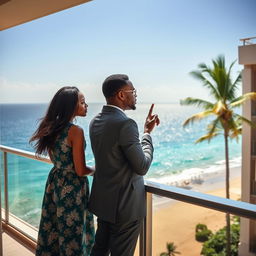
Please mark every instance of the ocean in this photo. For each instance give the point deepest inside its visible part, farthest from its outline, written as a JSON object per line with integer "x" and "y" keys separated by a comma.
{"x": 176, "y": 156}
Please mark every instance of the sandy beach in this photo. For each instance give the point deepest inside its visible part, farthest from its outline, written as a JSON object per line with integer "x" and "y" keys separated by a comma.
{"x": 175, "y": 221}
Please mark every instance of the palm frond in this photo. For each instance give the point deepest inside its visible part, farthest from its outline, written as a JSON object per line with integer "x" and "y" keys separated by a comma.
{"x": 240, "y": 100}
{"x": 234, "y": 134}
{"x": 245, "y": 120}
{"x": 222, "y": 81}
{"x": 212, "y": 74}
{"x": 233, "y": 87}
{"x": 234, "y": 127}
{"x": 238, "y": 79}
{"x": 214, "y": 126}
{"x": 205, "y": 69}
{"x": 197, "y": 117}
{"x": 208, "y": 137}
{"x": 218, "y": 71}
{"x": 222, "y": 78}
{"x": 197, "y": 102}
{"x": 231, "y": 65}
{"x": 199, "y": 75}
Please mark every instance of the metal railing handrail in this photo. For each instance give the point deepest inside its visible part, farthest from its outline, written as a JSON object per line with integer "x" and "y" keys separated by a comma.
{"x": 247, "y": 40}
{"x": 242, "y": 209}
{"x": 25, "y": 153}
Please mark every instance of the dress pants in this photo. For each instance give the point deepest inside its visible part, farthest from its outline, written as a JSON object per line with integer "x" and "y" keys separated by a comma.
{"x": 117, "y": 239}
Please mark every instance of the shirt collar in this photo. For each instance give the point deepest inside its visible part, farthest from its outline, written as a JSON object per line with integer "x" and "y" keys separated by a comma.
{"x": 113, "y": 106}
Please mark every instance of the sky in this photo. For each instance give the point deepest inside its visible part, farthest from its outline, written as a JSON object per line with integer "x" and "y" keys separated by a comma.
{"x": 155, "y": 42}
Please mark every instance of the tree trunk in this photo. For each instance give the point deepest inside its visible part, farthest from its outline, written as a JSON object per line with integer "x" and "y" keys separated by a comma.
{"x": 227, "y": 195}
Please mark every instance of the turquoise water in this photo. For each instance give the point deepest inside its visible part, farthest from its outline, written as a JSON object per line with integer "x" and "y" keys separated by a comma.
{"x": 175, "y": 156}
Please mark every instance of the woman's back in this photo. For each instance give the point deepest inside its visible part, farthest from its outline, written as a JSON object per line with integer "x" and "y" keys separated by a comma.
{"x": 61, "y": 155}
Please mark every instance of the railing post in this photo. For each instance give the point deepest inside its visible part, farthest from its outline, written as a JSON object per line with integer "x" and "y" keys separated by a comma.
{"x": 146, "y": 231}
{"x": 148, "y": 223}
{"x": 1, "y": 229}
{"x": 6, "y": 205}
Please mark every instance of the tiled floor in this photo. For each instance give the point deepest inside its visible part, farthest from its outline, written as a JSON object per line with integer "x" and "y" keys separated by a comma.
{"x": 12, "y": 248}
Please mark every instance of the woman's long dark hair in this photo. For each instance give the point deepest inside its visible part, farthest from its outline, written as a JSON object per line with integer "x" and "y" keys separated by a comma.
{"x": 59, "y": 113}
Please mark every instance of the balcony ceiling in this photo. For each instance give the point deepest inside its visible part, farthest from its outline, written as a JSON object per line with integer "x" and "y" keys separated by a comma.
{"x": 16, "y": 12}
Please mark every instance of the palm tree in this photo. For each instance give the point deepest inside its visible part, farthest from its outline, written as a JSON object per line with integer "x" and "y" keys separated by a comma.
{"x": 226, "y": 122}
{"x": 171, "y": 250}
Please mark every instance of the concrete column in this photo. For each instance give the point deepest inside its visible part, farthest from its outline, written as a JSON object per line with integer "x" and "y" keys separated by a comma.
{"x": 247, "y": 163}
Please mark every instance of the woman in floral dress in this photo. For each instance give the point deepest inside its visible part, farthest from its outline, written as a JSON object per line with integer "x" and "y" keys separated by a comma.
{"x": 66, "y": 226}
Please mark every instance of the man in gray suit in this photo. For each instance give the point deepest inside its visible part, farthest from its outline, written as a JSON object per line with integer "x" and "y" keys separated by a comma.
{"x": 118, "y": 193}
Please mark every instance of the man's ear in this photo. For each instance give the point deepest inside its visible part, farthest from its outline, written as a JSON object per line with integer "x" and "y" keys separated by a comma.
{"x": 120, "y": 95}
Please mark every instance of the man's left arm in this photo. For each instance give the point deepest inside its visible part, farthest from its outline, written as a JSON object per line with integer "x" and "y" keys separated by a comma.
{"x": 139, "y": 154}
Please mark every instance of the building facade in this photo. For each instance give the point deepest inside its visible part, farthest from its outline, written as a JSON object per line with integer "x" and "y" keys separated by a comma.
{"x": 247, "y": 57}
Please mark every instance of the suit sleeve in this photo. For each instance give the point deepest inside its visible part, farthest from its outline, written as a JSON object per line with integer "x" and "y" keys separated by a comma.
{"x": 139, "y": 154}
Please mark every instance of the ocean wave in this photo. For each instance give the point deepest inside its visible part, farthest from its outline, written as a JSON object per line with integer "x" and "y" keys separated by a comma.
{"x": 196, "y": 175}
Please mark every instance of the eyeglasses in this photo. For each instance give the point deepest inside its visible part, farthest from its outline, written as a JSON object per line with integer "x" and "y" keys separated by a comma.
{"x": 134, "y": 92}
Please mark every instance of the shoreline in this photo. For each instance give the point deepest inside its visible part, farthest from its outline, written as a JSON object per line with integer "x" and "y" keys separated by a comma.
{"x": 175, "y": 221}
{"x": 205, "y": 184}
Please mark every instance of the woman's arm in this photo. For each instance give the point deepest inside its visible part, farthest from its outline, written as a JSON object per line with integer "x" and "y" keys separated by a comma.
{"x": 76, "y": 141}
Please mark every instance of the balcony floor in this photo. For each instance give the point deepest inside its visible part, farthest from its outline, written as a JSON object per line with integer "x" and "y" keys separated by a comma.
{"x": 11, "y": 247}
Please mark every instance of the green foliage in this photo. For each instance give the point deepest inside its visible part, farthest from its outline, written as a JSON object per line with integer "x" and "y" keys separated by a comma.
{"x": 171, "y": 250}
{"x": 218, "y": 80}
{"x": 217, "y": 243}
{"x": 202, "y": 233}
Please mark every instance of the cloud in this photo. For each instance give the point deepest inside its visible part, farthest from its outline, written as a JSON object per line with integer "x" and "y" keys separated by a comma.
{"x": 23, "y": 92}
{"x": 92, "y": 92}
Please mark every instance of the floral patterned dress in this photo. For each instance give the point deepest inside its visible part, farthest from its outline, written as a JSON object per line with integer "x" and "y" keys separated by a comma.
{"x": 66, "y": 226}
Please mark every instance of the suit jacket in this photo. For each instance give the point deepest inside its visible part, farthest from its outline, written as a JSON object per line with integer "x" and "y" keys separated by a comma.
{"x": 118, "y": 192}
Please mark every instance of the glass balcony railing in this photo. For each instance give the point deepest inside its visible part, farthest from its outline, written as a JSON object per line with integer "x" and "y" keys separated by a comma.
{"x": 22, "y": 192}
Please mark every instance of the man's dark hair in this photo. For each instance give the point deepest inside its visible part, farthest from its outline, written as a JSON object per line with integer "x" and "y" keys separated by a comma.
{"x": 113, "y": 84}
